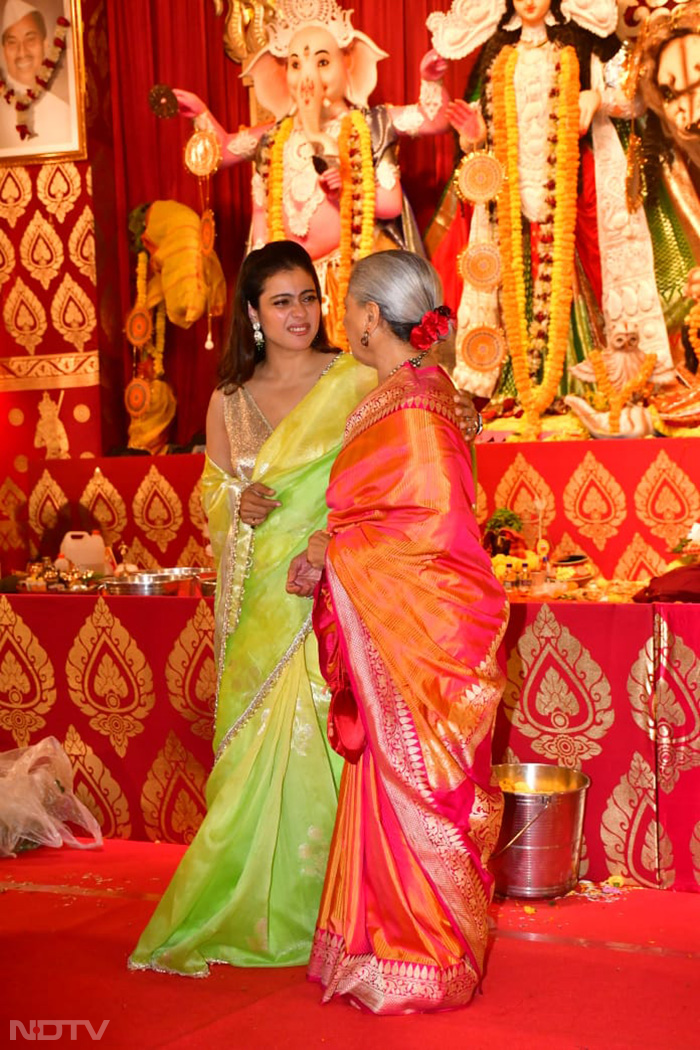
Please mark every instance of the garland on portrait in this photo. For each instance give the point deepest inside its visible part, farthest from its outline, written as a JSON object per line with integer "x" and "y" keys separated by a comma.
{"x": 23, "y": 102}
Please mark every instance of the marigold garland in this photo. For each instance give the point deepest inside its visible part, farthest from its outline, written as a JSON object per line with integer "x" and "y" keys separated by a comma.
{"x": 159, "y": 349}
{"x": 357, "y": 194}
{"x": 692, "y": 322}
{"x": 617, "y": 399}
{"x": 22, "y": 103}
{"x": 553, "y": 328}
{"x": 275, "y": 181}
{"x": 357, "y": 197}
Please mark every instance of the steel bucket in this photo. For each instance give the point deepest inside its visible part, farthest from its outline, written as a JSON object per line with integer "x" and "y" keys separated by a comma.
{"x": 539, "y": 847}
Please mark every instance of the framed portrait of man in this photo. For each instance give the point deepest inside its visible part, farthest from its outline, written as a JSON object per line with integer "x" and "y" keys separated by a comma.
{"x": 42, "y": 81}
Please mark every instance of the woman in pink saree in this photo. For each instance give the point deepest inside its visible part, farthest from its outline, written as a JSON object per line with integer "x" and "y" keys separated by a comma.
{"x": 409, "y": 617}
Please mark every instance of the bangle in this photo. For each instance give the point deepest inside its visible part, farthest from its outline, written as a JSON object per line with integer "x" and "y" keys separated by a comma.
{"x": 479, "y": 424}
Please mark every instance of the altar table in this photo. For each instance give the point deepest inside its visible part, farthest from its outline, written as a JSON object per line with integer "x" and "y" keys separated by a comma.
{"x": 127, "y": 686}
{"x": 626, "y": 504}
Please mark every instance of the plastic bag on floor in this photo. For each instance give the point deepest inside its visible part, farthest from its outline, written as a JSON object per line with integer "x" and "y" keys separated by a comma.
{"x": 37, "y": 804}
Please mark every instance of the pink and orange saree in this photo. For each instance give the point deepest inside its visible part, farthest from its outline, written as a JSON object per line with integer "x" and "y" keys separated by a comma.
{"x": 409, "y": 618}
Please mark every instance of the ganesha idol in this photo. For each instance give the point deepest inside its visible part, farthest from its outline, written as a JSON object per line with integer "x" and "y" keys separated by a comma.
{"x": 326, "y": 173}
{"x": 569, "y": 289}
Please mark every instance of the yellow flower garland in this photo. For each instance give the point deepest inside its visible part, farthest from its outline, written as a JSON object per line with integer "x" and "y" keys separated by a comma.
{"x": 357, "y": 198}
{"x": 159, "y": 348}
{"x": 693, "y": 323}
{"x": 534, "y": 399}
{"x": 617, "y": 399}
{"x": 357, "y": 195}
{"x": 275, "y": 184}
{"x": 141, "y": 275}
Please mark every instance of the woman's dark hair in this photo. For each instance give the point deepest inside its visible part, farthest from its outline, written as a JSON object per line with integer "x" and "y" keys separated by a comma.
{"x": 241, "y": 355}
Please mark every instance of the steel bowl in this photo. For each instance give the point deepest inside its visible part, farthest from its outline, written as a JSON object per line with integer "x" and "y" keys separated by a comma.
{"x": 142, "y": 583}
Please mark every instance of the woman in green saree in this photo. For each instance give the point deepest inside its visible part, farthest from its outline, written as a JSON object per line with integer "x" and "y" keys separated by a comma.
{"x": 247, "y": 890}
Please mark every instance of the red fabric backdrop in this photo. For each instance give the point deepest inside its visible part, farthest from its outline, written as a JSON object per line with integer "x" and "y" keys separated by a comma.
{"x": 181, "y": 44}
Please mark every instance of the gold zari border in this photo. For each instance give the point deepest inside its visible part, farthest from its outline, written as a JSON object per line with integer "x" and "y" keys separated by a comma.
{"x": 49, "y": 371}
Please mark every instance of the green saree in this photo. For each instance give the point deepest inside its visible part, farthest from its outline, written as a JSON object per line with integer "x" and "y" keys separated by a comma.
{"x": 247, "y": 890}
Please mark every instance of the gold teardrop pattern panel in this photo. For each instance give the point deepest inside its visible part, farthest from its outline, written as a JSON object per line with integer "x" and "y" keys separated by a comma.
{"x": 27, "y": 679}
{"x": 666, "y": 500}
{"x": 695, "y": 851}
{"x": 7, "y": 258}
{"x": 97, "y": 789}
{"x": 629, "y": 830}
{"x": 109, "y": 678}
{"x": 640, "y": 689}
{"x": 104, "y": 502}
{"x": 518, "y": 489}
{"x": 194, "y": 553}
{"x": 640, "y": 561}
{"x": 58, "y": 188}
{"x": 157, "y": 509}
{"x": 195, "y": 508}
{"x": 677, "y": 706}
{"x": 190, "y": 673}
{"x": 556, "y": 694}
{"x": 73, "y": 313}
{"x": 45, "y": 500}
{"x": 24, "y": 316}
{"x": 594, "y": 501}
{"x": 81, "y": 244}
{"x": 139, "y": 555}
{"x": 172, "y": 800}
{"x": 12, "y": 499}
{"x": 41, "y": 251}
{"x": 15, "y": 194}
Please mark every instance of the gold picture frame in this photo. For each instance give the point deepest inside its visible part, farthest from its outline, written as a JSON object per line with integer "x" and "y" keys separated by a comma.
{"x": 55, "y": 121}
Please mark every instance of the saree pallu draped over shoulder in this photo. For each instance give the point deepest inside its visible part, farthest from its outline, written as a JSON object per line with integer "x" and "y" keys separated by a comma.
{"x": 248, "y": 888}
{"x": 409, "y": 618}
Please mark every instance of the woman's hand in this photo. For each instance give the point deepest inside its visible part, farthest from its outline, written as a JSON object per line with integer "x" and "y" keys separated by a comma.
{"x": 469, "y": 420}
{"x": 189, "y": 104}
{"x": 433, "y": 66}
{"x": 318, "y": 545}
{"x": 256, "y": 503}
{"x": 331, "y": 183}
{"x": 302, "y": 577}
{"x": 467, "y": 122}
{"x": 588, "y": 106}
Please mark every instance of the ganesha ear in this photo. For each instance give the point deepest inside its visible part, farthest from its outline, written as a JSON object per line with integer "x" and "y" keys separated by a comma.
{"x": 269, "y": 76}
{"x": 361, "y": 61}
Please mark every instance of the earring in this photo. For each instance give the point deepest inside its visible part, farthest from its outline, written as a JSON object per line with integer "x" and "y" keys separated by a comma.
{"x": 364, "y": 338}
{"x": 258, "y": 336}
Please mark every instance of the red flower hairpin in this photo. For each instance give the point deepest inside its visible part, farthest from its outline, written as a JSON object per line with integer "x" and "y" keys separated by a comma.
{"x": 434, "y": 325}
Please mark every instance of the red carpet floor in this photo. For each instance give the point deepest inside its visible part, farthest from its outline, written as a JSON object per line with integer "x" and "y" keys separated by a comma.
{"x": 591, "y": 971}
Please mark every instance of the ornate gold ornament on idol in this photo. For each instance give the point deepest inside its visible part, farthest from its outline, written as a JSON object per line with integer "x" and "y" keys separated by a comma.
{"x": 137, "y": 397}
{"x": 202, "y": 153}
{"x": 207, "y": 231}
{"x": 479, "y": 177}
{"x": 139, "y": 326}
{"x": 202, "y": 158}
{"x": 483, "y": 348}
{"x": 480, "y": 264}
{"x": 162, "y": 101}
